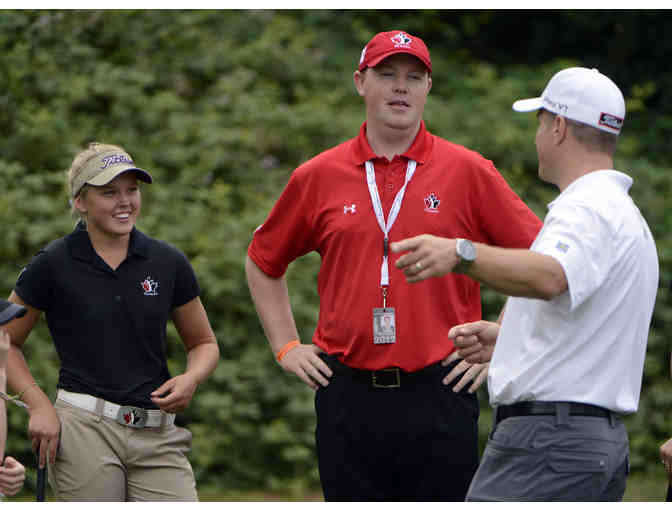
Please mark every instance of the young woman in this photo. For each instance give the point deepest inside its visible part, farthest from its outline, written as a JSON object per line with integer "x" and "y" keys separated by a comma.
{"x": 107, "y": 291}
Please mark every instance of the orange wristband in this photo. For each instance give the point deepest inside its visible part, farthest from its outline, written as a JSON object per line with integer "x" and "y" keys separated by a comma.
{"x": 288, "y": 347}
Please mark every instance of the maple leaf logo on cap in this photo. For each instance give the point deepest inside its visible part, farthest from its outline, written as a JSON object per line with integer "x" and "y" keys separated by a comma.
{"x": 401, "y": 39}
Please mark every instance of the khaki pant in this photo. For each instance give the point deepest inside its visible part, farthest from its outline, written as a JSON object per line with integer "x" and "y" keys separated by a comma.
{"x": 101, "y": 460}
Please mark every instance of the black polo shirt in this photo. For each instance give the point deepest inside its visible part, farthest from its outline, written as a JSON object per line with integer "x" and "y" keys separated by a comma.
{"x": 109, "y": 326}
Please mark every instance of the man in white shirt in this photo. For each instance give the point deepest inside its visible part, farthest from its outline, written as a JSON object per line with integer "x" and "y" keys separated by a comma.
{"x": 569, "y": 354}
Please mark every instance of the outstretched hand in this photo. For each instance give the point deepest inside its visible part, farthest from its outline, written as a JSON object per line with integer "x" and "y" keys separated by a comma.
{"x": 475, "y": 341}
{"x": 428, "y": 256}
{"x": 304, "y": 361}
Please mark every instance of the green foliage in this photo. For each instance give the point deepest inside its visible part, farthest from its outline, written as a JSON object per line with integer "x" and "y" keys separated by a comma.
{"x": 221, "y": 105}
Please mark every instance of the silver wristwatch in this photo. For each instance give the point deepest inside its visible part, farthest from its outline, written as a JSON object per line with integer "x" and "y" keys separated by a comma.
{"x": 466, "y": 252}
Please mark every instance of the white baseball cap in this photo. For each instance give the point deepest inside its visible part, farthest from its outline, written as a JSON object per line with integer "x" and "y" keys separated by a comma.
{"x": 581, "y": 94}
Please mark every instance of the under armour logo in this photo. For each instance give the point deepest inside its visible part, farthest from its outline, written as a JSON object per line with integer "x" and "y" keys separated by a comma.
{"x": 349, "y": 209}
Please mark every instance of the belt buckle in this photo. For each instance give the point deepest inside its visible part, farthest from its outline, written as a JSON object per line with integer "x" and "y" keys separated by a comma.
{"x": 395, "y": 384}
{"x": 130, "y": 416}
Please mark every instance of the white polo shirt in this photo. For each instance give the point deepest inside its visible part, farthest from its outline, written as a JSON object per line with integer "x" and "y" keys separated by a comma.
{"x": 588, "y": 344}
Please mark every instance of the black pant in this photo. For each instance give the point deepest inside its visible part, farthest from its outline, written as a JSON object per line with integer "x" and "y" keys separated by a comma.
{"x": 417, "y": 442}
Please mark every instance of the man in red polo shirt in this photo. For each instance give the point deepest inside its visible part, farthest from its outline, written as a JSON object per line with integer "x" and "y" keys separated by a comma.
{"x": 391, "y": 422}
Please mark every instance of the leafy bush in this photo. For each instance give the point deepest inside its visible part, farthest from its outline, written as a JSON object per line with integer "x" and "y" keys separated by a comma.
{"x": 220, "y": 106}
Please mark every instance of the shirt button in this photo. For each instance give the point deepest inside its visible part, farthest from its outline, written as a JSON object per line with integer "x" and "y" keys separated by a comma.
{"x": 390, "y": 186}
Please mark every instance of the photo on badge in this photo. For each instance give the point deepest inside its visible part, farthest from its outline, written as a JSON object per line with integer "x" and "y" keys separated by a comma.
{"x": 384, "y": 326}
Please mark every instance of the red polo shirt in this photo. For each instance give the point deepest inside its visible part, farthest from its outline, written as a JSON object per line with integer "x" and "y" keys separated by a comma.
{"x": 326, "y": 207}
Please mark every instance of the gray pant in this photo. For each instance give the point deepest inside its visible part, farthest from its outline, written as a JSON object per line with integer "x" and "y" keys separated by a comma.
{"x": 553, "y": 458}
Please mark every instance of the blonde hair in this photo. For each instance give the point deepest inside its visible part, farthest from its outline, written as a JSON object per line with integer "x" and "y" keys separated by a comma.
{"x": 78, "y": 164}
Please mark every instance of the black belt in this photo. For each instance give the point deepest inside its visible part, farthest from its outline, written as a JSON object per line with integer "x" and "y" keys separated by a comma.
{"x": 537, "y": 408}
{"x": 392, "y": 377}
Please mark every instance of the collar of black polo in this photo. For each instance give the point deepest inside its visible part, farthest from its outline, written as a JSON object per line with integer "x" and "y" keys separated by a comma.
{"x": 81, "y": 247}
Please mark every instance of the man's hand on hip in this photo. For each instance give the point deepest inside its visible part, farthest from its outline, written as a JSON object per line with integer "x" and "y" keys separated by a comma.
{"x": 304, "y": 361}
{"x": 476, "y": 372}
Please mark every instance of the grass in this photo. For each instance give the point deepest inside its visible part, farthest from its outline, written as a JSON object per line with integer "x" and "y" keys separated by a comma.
{"x": 207, "y": 495}
{"x": 640, "y": 487}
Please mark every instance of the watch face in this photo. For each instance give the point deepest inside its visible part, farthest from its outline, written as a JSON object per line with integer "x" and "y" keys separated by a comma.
{"x": 466, "y": 250}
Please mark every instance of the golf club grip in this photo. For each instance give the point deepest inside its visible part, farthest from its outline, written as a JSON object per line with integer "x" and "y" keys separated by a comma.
{"x": 41, "y": 480}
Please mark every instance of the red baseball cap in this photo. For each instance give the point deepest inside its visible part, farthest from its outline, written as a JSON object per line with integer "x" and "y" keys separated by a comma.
{"x": 385, "y": 44}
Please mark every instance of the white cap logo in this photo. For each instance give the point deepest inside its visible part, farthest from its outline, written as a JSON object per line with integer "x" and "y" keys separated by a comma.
{"x": 581, "y": 94}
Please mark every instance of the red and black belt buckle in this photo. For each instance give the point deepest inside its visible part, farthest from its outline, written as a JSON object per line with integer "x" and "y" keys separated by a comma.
{"x": 386, "y": 378}
{"x": 135, "y": 417}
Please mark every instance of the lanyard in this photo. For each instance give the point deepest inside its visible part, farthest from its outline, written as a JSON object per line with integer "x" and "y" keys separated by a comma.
{"x": 394, "y": 212}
